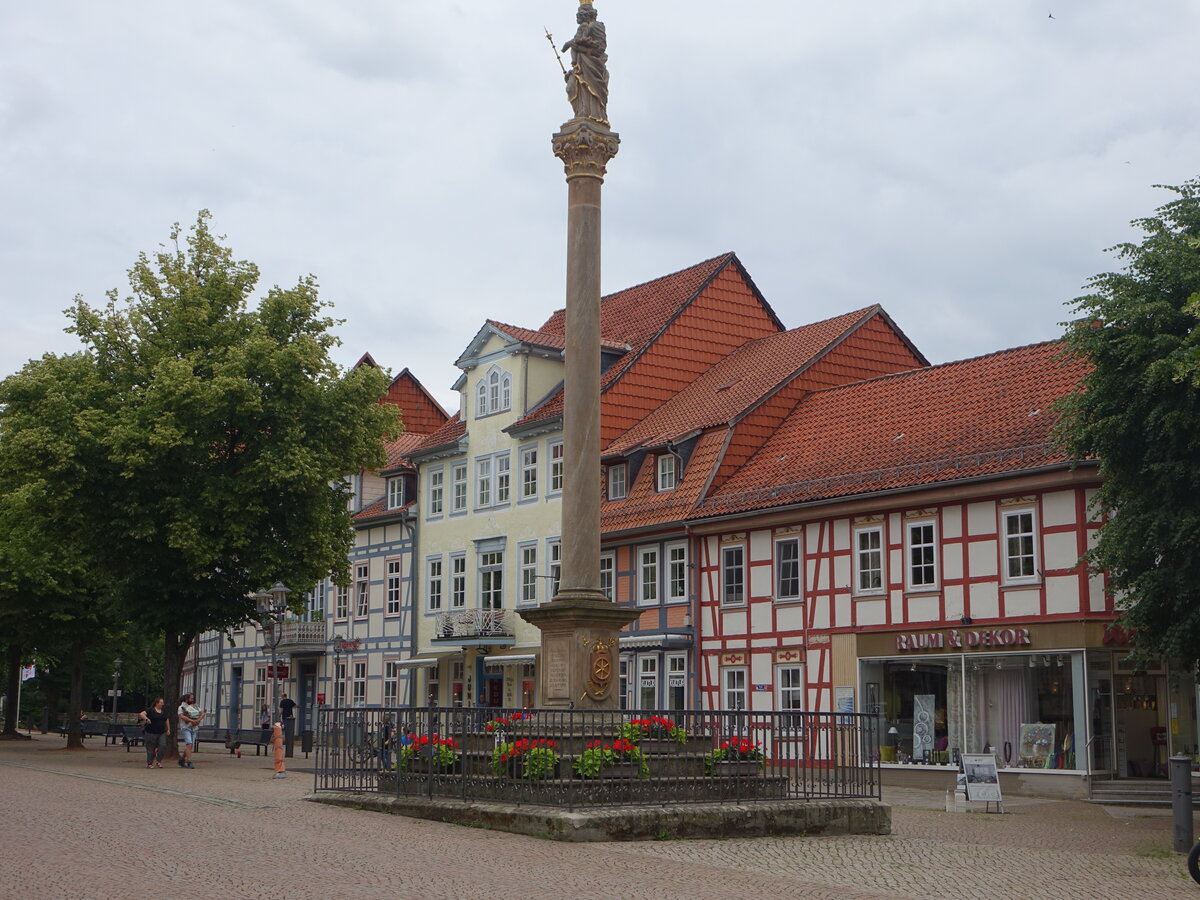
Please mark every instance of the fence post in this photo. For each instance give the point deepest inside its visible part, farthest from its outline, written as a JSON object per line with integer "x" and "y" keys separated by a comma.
{"x": 1181, "y": 801}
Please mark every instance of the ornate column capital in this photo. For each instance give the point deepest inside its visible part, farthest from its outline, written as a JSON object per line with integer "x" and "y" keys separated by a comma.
{"x": 585, "y": 148}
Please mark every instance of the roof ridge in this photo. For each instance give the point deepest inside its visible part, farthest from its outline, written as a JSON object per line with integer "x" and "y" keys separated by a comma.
{"x": 932, "y": 367}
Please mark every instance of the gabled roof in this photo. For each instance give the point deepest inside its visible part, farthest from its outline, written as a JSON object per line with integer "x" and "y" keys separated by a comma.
{"x": 738, "y": 382}
{"x": 991, "y": 415}
{"x": 637, "y": 316}
{"x": 645, "y": 507}
{"x": 420, "y": 413}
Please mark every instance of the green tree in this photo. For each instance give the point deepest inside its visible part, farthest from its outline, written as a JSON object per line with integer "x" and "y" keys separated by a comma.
{"x": 227, "y": 431}
{"x": 1139, "y": 414}
{"x": 55, "y": 593}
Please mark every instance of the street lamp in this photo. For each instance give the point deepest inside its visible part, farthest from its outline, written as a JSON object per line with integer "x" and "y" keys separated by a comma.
{"x": 339, "y": 644}
{"x": 116, "y": 682}
{"x": 272, "y": 605}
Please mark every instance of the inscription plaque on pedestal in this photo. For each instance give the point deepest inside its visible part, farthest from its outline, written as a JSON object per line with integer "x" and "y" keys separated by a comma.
{"x": 557, "y": 660}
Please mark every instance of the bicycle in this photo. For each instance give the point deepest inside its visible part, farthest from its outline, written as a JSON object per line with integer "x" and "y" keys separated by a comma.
{"x": 1193, "y": 863}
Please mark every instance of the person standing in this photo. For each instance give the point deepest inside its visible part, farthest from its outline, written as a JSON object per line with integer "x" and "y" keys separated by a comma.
{"x": 156, "y": 726}
{"x": 190, "y": 717}
{"x": 264, "y": 722}
{"x": 287, "y": 708}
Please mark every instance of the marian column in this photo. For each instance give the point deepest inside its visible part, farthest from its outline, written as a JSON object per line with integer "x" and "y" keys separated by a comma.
{"x": 578, "y": 665}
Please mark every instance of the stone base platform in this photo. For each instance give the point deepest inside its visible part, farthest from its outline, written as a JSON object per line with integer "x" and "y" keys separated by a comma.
{"x": 639, "y": 823}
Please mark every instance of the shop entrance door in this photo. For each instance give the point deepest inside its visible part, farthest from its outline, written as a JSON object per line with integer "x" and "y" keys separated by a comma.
{"x": 495, "y": 691}
{"x": 1141, "y": 726}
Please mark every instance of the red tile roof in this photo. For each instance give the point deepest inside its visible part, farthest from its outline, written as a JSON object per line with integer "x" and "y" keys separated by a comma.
{"x": 378, "y": 509}
{"x": 398, "y": 450}
{"x": 737, "y": 382}
{"x": 645, "y": 507}
{"x": 984, "y": 416}
{"x": 732, "y": 312}
{"x": 548, "y": 339}
{"x": 447, "y": 434}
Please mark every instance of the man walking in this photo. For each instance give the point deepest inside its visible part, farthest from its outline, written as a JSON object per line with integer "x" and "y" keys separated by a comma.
{"x": 190, "y": 717}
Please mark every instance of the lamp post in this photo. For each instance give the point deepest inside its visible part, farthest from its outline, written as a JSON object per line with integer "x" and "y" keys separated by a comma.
{"x": 339, "y": 644}
{"x": 116, "y": 682}
{"x": 272, "y": 605}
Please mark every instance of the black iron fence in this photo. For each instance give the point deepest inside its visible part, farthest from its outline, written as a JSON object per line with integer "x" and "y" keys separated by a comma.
{"x": 576, "y": 758}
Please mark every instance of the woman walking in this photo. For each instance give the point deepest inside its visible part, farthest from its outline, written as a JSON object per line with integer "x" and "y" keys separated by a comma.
{"x": 154, "y": 735}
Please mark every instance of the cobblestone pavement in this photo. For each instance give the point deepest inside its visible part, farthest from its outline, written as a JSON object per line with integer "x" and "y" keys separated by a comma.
{"x": 96, "y": 824}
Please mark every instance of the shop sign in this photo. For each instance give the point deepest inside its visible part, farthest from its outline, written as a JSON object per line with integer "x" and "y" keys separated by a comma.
{"x": 956, "y": 639}
{"x": 1116, "y": 634}
{"x": 762, "y": 687}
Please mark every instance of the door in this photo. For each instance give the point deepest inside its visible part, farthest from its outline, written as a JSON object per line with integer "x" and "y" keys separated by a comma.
{"x": 495, "y": 691}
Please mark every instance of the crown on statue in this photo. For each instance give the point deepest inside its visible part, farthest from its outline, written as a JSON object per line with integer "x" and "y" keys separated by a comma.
{"x": 587, "y": 3}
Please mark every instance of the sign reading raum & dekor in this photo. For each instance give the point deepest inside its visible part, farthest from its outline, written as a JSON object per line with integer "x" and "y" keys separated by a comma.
{"x": 958, "y": 639}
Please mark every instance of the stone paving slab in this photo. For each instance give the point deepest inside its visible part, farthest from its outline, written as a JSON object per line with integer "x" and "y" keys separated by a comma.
{"x": 226, "y": 829}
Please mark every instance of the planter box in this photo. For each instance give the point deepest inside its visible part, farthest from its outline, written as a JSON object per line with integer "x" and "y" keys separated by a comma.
{"x": 738, "y": 768}
{"x": 659, "y": 746}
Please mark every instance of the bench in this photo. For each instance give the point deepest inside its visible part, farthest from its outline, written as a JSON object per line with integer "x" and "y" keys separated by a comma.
{"x": 256, "y": 737}
{"x": 130, "y": 735}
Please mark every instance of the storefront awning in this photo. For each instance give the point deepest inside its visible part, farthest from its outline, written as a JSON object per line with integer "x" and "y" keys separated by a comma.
{"x": 515, "y": 659}
{"x": 419, "y": 662}
{"x": 665, "y": 639}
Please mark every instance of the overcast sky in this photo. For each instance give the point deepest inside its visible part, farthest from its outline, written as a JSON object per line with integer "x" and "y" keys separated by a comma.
{"x": 962, "y": 163}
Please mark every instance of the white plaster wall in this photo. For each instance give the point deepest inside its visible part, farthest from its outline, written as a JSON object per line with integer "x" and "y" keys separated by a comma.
{"x": 1058, "y": 508}
{"x": 982, "y": 559}
{"x": 924, "y": 608}
{"x": 871, "y": 612}
{"x": 789, "y": 616}
{"x": 952, "y": 562}
{"x": 985, "y": 600}
{"x": 841, "y": 534}
{"x": 842, "y": 606}
{"x": 1062, "y": 594}
{"x": 762, "y": 581}
{"x": 1022, "y": 602}
{"x": 981, "y": 518}
{"x": 760, "y": 545}
{"x": 760, "y": 618}
{"x": 952, "y": 521}
{"x": 1061, "y": 551}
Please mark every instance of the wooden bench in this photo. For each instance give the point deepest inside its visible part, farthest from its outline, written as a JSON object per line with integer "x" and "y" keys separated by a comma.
{"x": 131, "y": 734}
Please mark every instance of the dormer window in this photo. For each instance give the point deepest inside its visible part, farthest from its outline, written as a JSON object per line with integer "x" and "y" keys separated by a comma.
{"x": 395, "y": 492}
{"x": 617, "y": 481}
{"x": 667, "y": 473}
{"x": 494, "y": 393}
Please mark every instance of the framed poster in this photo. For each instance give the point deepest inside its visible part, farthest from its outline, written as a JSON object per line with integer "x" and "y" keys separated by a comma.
{"x": 1037, "y": 744}
{"x": 983, "y": 781}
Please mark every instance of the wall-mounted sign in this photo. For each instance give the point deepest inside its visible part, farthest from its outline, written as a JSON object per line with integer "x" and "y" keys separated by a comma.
{"x": 956, "y": 639}
{"x": 277, "y": 671}
{"x": 762, "y": 687}
{"x": 320, "y": 698}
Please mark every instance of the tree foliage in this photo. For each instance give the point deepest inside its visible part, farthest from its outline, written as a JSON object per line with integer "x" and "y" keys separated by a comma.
{"x": 220, "y": 436}
{"x": 1139, "y": 413}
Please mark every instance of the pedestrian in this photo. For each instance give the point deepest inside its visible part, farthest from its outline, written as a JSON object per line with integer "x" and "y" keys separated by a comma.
{"x": 264, "y": 722}
{"x": 156, "y": 725}
{"x": 277, "y": 744}
{"x": 190, "y": 717}
{"x": 287, "y": 707}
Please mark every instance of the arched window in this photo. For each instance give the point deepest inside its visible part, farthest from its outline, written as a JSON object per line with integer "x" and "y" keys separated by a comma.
{"x": 495, "y": 392}
{"x": 483, "y": 409}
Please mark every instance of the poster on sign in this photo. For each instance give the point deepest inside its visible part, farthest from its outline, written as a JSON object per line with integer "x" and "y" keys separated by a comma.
{"x": 983, "y": 780}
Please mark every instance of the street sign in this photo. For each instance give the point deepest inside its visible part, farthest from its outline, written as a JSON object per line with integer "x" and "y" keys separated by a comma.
{"x": 321, "y": 697}
{"x": 118, "y": 693}
{"x": 282, "y": 670}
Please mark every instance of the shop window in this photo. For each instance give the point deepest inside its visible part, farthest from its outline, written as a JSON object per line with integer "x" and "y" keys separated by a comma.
{"x": 922, "y": 556}
{"x": 973, "y": 703}
{"x": 787, "y": 569}
{"x": 733, "y": 576}
{"x": 868, "y": 560}
{"x": 1020, "y": 554}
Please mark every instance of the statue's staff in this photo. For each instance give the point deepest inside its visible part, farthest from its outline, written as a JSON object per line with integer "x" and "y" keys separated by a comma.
{"x": 554, "y": 47}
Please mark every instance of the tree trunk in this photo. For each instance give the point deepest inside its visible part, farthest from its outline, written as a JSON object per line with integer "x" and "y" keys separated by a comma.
{"x": 74, "y": 732}
{"x": 13, "y": 666}
{"x": 175, "y": 648}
